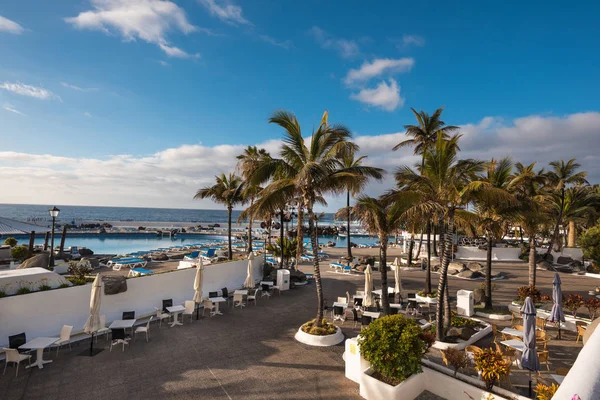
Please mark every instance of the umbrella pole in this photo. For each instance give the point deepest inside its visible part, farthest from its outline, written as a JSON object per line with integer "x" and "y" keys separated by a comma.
{"x": 92, "y": 345}
{"x": 559, "y": 330}
{"x": 197, "y": 312}
{"x": 530, "y": 392}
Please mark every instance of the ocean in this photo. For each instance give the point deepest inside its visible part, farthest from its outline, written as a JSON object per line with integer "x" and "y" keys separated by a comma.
{"x": 78, "y": 214}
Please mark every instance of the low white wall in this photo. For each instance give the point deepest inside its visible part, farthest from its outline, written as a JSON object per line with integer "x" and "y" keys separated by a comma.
{"x": 574, "y": 252}
{"x": 498, "y": 253}
{"x": 44, "y": 313}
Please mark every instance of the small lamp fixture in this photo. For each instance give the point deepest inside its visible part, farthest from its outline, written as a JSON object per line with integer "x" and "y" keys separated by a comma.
{"x": 54, "y": 212}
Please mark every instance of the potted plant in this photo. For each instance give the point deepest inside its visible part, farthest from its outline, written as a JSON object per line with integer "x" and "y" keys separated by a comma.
{"x": 455, "y": 358}
{"x": 573, "y": 302}
{"x": 325, "y": 335}
{"x": 592, "y": 305}
{"x": 394, "y": 346}
{"x": 528, "y": 291}
{"x": 492, "y": 366}
{"x": 545, "y": 392}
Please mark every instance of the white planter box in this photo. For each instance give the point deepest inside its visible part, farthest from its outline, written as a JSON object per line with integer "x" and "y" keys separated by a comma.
{"x": 322, "y": 341}
{"x": 461, "y": 345}
{"x": 373, "y": 389}
{"x": 425, "y": 299}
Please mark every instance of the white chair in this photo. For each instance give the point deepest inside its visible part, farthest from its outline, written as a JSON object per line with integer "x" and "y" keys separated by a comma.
{"x": 266, "y": 291}
{"x": 189, "y": 310}
{"x": 341, "y": 300}
{"x": 65, "y": 337}
{"x": 160, "y": 315}
{"x": 143, "y": 329}
{"x": 252, "y": 296}
{"x": 210, "y": 306}
{"x": 238, "y": 300}
{"x": 103, "y": 329}
{"x": 13, "y": 355}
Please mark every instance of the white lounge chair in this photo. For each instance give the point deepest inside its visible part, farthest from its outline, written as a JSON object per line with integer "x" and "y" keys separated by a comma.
{"x": 13, "y": 355}
{"x": 65, "y": 337}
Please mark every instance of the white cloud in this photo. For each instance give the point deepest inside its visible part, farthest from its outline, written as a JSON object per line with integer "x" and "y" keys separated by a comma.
{"x": 87, "y": 114}
{"x": 6, "y": 25}
{"x": 346, "y": 48}
{"x": 169, "y": 178}
{"x": 77, "y": 88}
{"x": 11, "y": 108}
{"x": 385, "y": 96}
{"x": 378, "y": 67}
{"x": 28, "y": 90}
{"x": 413, "y": 40}
{"x": 268, "y": 39}
{"x": 148, "y": 20}
{"x": 163, "y": 63}
{"x": 226, "y": 12}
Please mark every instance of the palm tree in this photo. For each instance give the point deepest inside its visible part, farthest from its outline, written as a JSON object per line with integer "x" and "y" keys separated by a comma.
{"x": 361, "y": 175}
{"x": 561, "y": 176}
{"x": 580, "y": 205}
{"x": 492, "y": 209}
{"x": 307, "y": 170}
{"x": 380, "y": 216}
{"x": 247, "y": 163}
{"x": 424, "y": 135}
{"x": 224, "y": 191}
{"x": 528, "y": 186}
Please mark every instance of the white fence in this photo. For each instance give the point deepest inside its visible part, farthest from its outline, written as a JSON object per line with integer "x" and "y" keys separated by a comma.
{"x": 44, "y": 313}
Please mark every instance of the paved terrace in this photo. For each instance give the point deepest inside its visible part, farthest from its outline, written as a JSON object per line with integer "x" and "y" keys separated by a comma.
{"x": 244, "y": 354}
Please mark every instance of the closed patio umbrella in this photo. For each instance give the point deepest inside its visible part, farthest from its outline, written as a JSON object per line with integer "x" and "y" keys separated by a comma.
{"x": 249, "y": 282}
{"x": 198, "y": 286}
{"x": 557, "y": 315}
{"x": 93, "y": 322}
{"x": 398, "y": 278}
{"x": 368, "y": 299}
{"x": 529, "y": 359}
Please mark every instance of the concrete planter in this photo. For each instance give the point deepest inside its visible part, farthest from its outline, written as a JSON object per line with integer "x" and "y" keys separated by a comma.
{"x": 425, "y": 299}
{"x": 496, "y": 317}
{"x": 461, "y": 345}
{"x": 374, "y": 389}
{"x": 316, "y": 340}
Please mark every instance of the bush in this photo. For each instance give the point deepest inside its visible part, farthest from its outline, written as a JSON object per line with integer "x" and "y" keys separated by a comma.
{"x": 592, "y": 305}
{"x": 79, "y": 269}
{"x": 323, "y": 330}
{"x": 529, "y": 291}
{"x": 11, "y": 241}
{"x": 394, "y": 345}
{"x": 460, "y": 322}
{"x": 63, "y": 285}
{"x": 492, "y": 366}
{"x": 433, "y": 294}
{"x": 573, "y": 302}
{"x": 19, "y": 253}
{"x": 590, "y": 243}
{"x": 544, "y": 392}
{"x": 455, "y": 358}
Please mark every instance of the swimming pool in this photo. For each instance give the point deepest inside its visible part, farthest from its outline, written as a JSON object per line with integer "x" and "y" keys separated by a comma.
{"x": 123, "y": 243}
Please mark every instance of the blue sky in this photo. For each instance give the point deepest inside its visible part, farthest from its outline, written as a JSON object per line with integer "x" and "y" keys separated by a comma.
{"x": 91, "y": 83}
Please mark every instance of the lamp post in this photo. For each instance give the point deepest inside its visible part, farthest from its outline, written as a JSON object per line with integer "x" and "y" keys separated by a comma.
{"x": 53, "y": 213}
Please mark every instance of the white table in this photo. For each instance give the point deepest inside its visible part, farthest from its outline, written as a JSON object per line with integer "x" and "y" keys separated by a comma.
{"x": 123, "y": 324}
{"x": 216, "y": 301}
{"x": 242, "y": 292}
{"x": 357, "y": 296}
{"x": 372, "y": 314}
{"x": 396, "y": 305}
{"x": 336, "y": 304}
{"x": 39, "y": 344}
{"x": 512, "y": 332}
{"x": 515, "y": 344}
{"x": 270, "y": 283}
{"x": 378, "y": 291}
{"x": 176, "y": 310}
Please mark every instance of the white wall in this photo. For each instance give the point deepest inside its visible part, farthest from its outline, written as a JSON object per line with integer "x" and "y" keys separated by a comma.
{"x": 574, "y": 252}
{"x": 44, "y": 313}
{"x": 498, "y": 253}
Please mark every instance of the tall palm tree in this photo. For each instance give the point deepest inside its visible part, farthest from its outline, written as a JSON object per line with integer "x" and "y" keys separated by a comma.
{"x": 224, "y": 191}
{"x": 307, "y": 169}
{"x": 580, "y": 205}
{"x": 562, "y": 175}
{"x": 380, "y": 216}
{"x": 528, "y": 186}
{"x": 423, "y": 136}
{"x": 361, "y": 175}
{"x": 493, "y": 208}
{"x": 248, "y": 161}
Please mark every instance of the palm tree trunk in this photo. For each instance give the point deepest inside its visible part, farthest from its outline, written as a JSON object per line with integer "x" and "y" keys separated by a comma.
{"x": 383, "y": 270}
{"x": 532, "y": 260}
{"x": 229, "y": 209}
{"x": 411, "y": 246}
{"x": 428, "y": 273}
{"x": 281, "y": 232}
{"x": 420, "y": 244}
{"x": 435, "y": 250}
{"x": 556, "y": 243}
{"x": 300, "y": 234}
{"x": 447, "y": 312}
{"x": 317, "y": 269}
{"x": 250, "y": 228}
{"x": 572, "y": 234}
{"x": 488, "y": 272}
{"x": 521, "y": 234}
{"x": 444, "y": 275}
{"x": 348, "y": 226}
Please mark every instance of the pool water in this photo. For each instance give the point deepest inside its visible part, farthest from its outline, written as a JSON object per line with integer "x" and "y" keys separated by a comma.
{"x": 123, "y": 244}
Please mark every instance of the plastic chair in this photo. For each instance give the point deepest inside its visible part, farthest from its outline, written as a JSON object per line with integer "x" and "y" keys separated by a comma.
{"x": 580, "y": 333}
{"x": 338, "y": 314}
{"x": 160, "y": 315}
{"x": 143, "y": 329}
{"x": 190, "y": 307}
{"x": 516, "y": 317}
{"x": 266, "y": 291}
{"x": 238, "y": 301}
{"x": 540, "y": 323}
{"x": 128, "y": 315}
{"x": 118, "y": 336}
{"x": 544, "y": 357}
{"x": 210, "y": 306}
{"x": 252, "y": 296}
{"x": 12, "y": 355}
{"x": 341, "y": 300}
{"x": 167, "y": 303}
{"x": 65, "y": 337}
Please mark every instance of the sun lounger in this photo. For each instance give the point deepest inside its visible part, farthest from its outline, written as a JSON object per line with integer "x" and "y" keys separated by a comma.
{"x": 192, "y": 256}
{"x": 336, "y": 266}
{"x": 134, "y": 263}
{"x": 139, "y": 272}
{"x": 121, "y": 259}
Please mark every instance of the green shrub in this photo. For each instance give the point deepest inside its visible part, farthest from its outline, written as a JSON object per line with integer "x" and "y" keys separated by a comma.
{"x": 590, "y": 243}
{"x": 11, "y": 241}
{"x": 394, "y": 345}
{"x": 79, "y": 269}
{"x": 433, "y": 294}
{"x": 545, "y": 392}
{"x": 77, "y": 281}
{"x": 323, "y": 330}
{"x": 2, "y": 294}
{"x": 455, "y": 358}
{"x": 63, "y": 285}
{"x": 492, "y": 365}
{"x": 24, "y": 290}
{"x": 19, "y": 253}
{"x": 460, "y": 322}
{"x": 43, "y": 288}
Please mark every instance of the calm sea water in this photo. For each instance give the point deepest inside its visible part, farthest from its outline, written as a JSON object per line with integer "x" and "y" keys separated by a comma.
{"x": 77, "y": 214}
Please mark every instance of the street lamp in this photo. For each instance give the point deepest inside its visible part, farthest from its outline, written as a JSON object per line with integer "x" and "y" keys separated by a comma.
{"x": 53, "y": 213}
